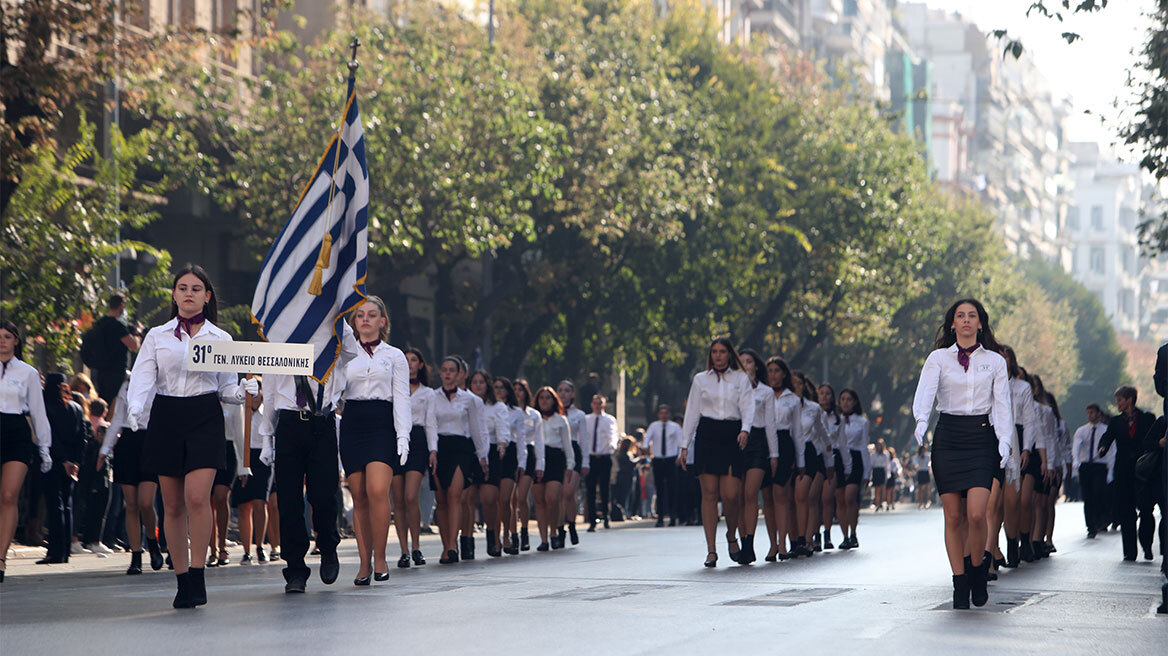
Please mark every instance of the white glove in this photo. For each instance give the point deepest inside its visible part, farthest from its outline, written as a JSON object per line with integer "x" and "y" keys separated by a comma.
{"x": 248, "y": 386}
{"x": 1007, "y": 456}
{"x": 246, "y": 472}
{"x": 132, "y": 422}
{"x": 267, "y": 454}
{"x": 919, "y": 434}
{"x": 46, "y": 462}
{"x": 403, "y": 448}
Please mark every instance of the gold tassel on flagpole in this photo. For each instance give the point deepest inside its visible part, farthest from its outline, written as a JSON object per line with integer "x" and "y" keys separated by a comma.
{"x": 322, "y": 262}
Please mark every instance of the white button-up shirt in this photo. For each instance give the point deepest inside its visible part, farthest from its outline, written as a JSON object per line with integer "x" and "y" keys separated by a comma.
{"x": 498, "y": 420}
{"x": 575, "y": 417}
{"x": 663, "y": 439}
{"x": 811, "y": 432}
{"x": 383, "y": 376}
{"x": 161, "y": 368}
{"x": 531, "y": 430}
{"x": 557, "y": 434}
{"x": 1022, "y": 395}
{"x": 764, "y": 416}
{"x": 280, "y": 389}
{"x": 599, "y": 434}
{"x": 1086, "y": 448}
{"x": 20, "y": 393}
{"x": 854, "y": 437}
{"x": 461, "y": 415}
{"x": 722, "y": 397}
{"x": 422, "y": 414}
{"x": 983, "y": 390}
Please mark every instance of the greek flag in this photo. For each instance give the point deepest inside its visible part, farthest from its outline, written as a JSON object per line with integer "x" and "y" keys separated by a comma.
{"x": 314, "y": 274}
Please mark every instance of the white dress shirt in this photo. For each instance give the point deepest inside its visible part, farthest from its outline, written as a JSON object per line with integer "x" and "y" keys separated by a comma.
{"x": 161, "y": 368}
{"x": 233, "y": 431}
{"x": 558, "y": 434}
{"x": 461, "y": 415}
{"x": 1022, "y": 395}
{"x": 600, "y": 434}
{"x": 833, "y": 427}
{"x": 1047, "y": 433}
{"x": 717, "y": 396}
{"x": 532, "y": 434}
{"x": 20, "y": 394}
{"x": 764, "y": 416}
{"x": 280, "y": 389}
{"x": 498, "y": 420}
{"x": 983, "y": 390}
{"x": 383, "y": 376}
{"x": 1086, "y": 448}
{"x": 576, "y": 418}
{"x": 1064, "y": 446}
{"x": 422, "y": 414}
{"x": 810, "y": 431}
{"x": 881, "y": 461}
{"x": 663, "y": 439}
{"x": 854, "y": 437}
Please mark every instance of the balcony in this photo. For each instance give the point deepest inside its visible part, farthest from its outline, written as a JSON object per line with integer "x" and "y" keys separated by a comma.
{"x": 777, "y": 19}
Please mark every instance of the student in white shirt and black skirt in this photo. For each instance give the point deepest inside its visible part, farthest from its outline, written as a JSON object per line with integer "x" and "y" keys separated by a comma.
{"x": 184, "y": 444}
{"x": 423, "y": 457}
{"x": 566, "y": 392}
{"x": 503, "y": 464}
{"x": 788, "y": 421}
{"x": 761, "y": 455}
{"x": 968, "y": 380}
{"x": 374, "y": 440}
{"x": 24, "y": 430}
{"x": 718, "y": 417}
{"x": 462, "y": 448}
{"x": 532, "y": 463}
{"x": 560, "y": 458}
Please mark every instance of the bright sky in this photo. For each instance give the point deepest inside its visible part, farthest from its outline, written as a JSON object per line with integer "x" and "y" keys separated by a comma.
{"x": 1092, "y": 72}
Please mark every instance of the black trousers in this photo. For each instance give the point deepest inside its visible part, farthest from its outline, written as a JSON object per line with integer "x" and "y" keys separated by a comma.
{"x": 108, "y": 381}
{"x": 306, "y": 459}
{"x": 1093, "y": 480}
{"x": 1124, "y": 509}
{"x": 58, "y": 489}
{"x": 1146, "y": 509}
{"x": 598, "y": 477}
{"x": 665, "y": 481}
{"x": 97, "y": 501}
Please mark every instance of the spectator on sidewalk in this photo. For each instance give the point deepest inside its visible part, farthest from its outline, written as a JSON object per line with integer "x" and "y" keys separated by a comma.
{"x": 105, "y": 346}
{"x": 94, "y": 482}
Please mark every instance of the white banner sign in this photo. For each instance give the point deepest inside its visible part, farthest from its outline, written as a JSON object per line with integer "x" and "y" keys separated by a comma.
{"x": 250, "y": 357}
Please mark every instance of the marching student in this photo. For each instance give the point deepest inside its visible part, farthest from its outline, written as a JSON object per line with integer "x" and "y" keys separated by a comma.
{"x": 566, "y": 391}
{"x": 559, "y": 459}
{"x": 857, "y": 463}
{"x": 881, "y": 465}
{"x": 422, "y": 457}
{"x": 968, "y": 380}
{"x": 1045, "y": 444}
{"x": 225, "y": 477}
{"x": 789, "y": 429}
{"x": 512, "y": 459}
{"x": 1060, "y": 461}
{"x": 1017, "y": 488}
{"x": 1126, "y": 432}
{"x": 895, "y": 470}
{"x": 924, "y": 481}
{"x": 761, "y": 455}
{"x": 601, "y": 434}
{"x": 138, "y": 486}
{"x": 720, "y": 406}
{"x": 1092, "y": 470}
{"x": 809, "y": 461}
{"x": 185, "y": 428}
{"x": 835, "y": 478}
{"x": 502, "y": 461}
{"x": 250, "y": 493}
{"x": 375, "y": 430}
{"x": 479, "y": 385}
{"x": 532, "y": 464}
{"x": 462, "y": 449}
{"x": 1034, "y": 466}
{"x": 662, "y": 441}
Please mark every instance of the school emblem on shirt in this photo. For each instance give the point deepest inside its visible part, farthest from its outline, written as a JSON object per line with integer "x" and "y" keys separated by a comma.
{"x": 985, "y": 368}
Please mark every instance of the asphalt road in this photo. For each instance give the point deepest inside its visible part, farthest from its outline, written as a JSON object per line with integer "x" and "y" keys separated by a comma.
{"x": 630, "y": 590}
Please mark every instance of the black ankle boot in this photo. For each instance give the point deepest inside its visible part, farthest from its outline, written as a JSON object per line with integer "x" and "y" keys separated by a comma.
{"x": 572, "y": 535}
{"x": 978, "y": 593}
{"x": 156, "y": 559}
{"x": 183, "y": 598}
{"x": 746, "y": 554}
{"x": 198, "y": 586}
{"x": 524, "y": 541}
{"x": 960, "y": 592}
{"x": 1027, "y": 547}
{"x": 1011, "y": 552}
{"x": 135, "y": 563}
{"x": 466, "y": 547}
{"x": 493, "y": 548}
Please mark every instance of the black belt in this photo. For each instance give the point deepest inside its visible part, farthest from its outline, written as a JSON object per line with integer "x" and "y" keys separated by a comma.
{"x": 305, "y": 414}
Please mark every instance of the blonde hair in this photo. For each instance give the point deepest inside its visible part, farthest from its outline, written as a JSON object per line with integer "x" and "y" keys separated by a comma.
{"x": 81, "y": 379}
{"x": 383, "y": 331}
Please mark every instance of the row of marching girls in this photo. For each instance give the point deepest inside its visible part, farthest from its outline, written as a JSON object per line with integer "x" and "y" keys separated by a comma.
{"x": 757, "y": 429}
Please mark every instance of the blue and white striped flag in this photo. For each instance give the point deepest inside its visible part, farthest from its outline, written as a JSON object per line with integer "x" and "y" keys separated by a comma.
{"x": 314, "y": 275}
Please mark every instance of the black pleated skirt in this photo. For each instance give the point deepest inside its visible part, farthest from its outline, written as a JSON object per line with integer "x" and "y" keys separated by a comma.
{"x": 419, "y": 458}
{"x": 556, "y": 463}
{"x": 367, "y": 435}
{"x": 128, "y": 459}
{"x": 16, "y": 443}
{"x": 965, "y": 453}
{"x": 504, "y": 466}
{"x": 185, "y": 433}
{"x": 813, "y": 460}
{"x": 455, "y": 452}
{"x": 786, "y": 459}
{"x": 716, "y": 447}
{"x": 531, "y": 461}
{"x": 757, "y": 454}
{"x": 258, "y": 484}
{"x": 857, "y": 475}
{"x": 841, "y": 478}
{"x": 879, "y": 476}
{"x": 225, "y": 475}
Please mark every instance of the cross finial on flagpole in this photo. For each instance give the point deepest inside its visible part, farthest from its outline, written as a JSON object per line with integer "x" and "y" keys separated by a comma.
{"x": 354, "y": 44}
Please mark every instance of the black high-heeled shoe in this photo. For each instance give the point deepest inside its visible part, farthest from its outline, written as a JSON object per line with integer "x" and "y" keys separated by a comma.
{"x": 450, "y": 558}
{"x": 404, "y": 561}
{"x": 713, "y": 562}
{"x": 572, "y": 534}
{"x": 361, "y": 580}
{"x": 524, "y": 540}
{"x": 746, "y": 554}
{"x": 418, "y": 558}
{"x": 543, "y": 546}
{"x": 737, "y": 550}
{"x": 380, "y": 576}
{"x": 772, "y": 555}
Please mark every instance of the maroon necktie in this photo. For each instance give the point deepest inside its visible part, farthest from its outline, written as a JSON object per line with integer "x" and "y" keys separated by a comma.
{"x": 369, "y": 346}
{"x": 963, "y": 355}
{"x": 186, "y": 324}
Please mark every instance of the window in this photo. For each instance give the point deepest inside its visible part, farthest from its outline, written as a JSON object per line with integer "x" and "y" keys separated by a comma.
{"x": 1098, "y": 260}
{"x": 1096, "y": 217}
{"x": 851, "y": 8}
{"x": 1127, "y": 218}
{"x": 1125, "y": 259}
{"x": 1073, "y": 218}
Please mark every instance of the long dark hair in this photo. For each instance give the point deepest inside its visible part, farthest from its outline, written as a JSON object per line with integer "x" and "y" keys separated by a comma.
{"x": 528, "y": 401}
{"x": 859, "y": 409}
{"x": 946, "y": 337}
{"x": 832, "y": 409}
{"x": 557, "y": 409}
{"x": 735, "y": 363}
{"x": 1054, "y": 406}
{"x": 211, "y": 307}
{"x": 785, "y": 368}
{"x": 488, "y": 396}
{"x": 53, "y": 394}
{"x": 808, "y": 387}
{"x": 423, "y": 368}
{"x": 18, "y": 352}
{"x": 512, "y": 401}
{"x": 759, "y": 365}
{"x": 1039, "y": 389}
{"x": 1012, "y": 369}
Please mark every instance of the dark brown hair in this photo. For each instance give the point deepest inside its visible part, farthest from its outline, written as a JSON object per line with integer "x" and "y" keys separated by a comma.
{"x": 559, "y": 407}
{"x": 735, "y": 363}
{"x": 211, "y": 307}
{"x": 946, "y": 337}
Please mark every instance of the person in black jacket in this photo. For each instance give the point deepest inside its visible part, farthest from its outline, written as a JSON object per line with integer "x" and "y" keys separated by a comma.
{"x": 1160, "y": 375}
{"x": 1127, "y": 431}
{"x": 67, "y": 421}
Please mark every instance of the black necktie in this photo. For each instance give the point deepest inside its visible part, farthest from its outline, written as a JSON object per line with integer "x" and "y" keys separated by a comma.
{"x": 1091, "y": 455}
{"x": 595, "y": 431}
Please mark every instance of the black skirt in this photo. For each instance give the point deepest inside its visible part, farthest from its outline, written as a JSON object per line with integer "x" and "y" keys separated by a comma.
{"x": 857, "y": 475}
{"x": 505, "y": 466}
{"x": 258, "y": 482}
{"x": 128, "y": 459}
{"x": 184, "y": 433}
{"x": 367, "y": 435}
{"x": 891, "y": 482}
{"x": 923, "y": 477}
{"x": 579, "y": 458}
{"x": 418, "y": 459}
{"x": 965, "y": 453}
{"x": 841, "y": 479}
{"x": 225, "y": 475}
{"x": 879, "y": 476}
{"x": 757, "y": 454}
{"x": 555, "y": 465}
{"x": 786, "y": 467}
{"x": 455, "y": 452}
{"x": 16, "y": 443}
{"x": 716, "y": 447}
{"x": 531, "y": 462}
{"x": 812, "y": 460}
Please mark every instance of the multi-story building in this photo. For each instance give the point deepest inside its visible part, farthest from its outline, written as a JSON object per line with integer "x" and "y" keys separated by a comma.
{"x": 1103, "y": 229}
